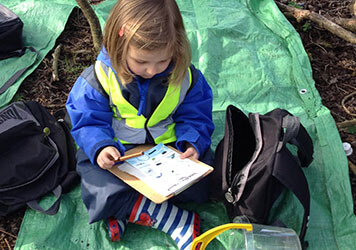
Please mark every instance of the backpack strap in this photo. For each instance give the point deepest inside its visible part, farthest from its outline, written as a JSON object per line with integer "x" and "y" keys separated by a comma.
{"x": 290, "y": 174}
{"x": 291, "y": 125}
{"x": 293, "y": 178}
{"x": 55, "y": 206}
{"x": 295, "y": 133}
{"x": 18, "y": 74}
{"x": 72, "y": 178}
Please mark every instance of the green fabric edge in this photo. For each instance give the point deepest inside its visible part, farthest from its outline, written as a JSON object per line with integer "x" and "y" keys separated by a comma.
{"x": 26, "y": 10}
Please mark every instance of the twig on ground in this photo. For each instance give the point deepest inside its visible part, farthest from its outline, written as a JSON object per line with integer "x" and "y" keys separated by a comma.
{"x": 55, "y": 55}
{"x": 318, "y": 45}
{"x": 2, "y": 231}
{"x": 7, "y": 243}
{"x": 54, "y": 106}
{"x": 82, "y": 51}
{"x": 346, "y": 124}
{"x": 352, "y": 167}
{"x": 343, "y": 103}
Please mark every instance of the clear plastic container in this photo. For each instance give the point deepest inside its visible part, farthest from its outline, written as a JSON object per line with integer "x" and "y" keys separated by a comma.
{"x": 249, "y": 236}
{"x": 264, "y": 237}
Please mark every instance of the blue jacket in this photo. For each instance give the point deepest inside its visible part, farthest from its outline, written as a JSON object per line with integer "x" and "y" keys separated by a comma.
{"x": 91, "y": 115}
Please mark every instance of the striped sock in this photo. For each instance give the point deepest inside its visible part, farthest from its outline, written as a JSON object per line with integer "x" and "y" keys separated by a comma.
{"x": 181, "y": 225}
{"x": 116, "y": 228}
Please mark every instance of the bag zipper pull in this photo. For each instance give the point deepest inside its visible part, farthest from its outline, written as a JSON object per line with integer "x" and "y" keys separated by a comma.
{"x": 46, "y": 131}
{"x": 228, "y": 196}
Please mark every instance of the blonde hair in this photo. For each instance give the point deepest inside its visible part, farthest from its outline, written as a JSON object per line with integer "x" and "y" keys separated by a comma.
{"x": 149, "y": 25}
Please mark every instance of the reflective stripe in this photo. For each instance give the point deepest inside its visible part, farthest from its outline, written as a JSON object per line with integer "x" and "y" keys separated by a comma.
{"x": 130, "y": 135}
{"x": 101, "y": 71}
{"x": 89, "y": 76}
{"x": 163, "y": 131}
{"x": 174, "y": 100}
{"x": 113, "y": 87}
{"x": 130, "y": 128}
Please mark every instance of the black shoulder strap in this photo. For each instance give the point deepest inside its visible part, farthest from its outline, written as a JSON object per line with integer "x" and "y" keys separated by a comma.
{"x": 55, "y": 206}
{"x": 72, "y": 178}
{"x": 17, "y": 75}
{"x": 293, "y": 178}
{"x": 295, "y": 133}
{"x": 287, "y": 170}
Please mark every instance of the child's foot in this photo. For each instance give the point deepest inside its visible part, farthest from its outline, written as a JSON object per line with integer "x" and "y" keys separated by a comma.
{"x": 182, "y": 225}
{"x": 116, "y": 228}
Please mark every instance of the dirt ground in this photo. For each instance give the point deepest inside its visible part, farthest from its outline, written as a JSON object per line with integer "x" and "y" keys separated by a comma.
{"x": 333, "y": 62}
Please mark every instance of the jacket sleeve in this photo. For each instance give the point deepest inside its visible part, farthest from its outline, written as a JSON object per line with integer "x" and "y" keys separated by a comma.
{"x": 193, "y": 117}
{"x": 91, "y": 118}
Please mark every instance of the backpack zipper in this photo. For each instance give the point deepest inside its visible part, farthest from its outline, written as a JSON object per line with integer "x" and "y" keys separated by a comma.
{"x": 236, "y": 189}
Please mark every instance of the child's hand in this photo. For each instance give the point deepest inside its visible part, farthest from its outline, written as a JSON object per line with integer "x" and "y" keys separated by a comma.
{"x": 107, "y": 157}
{"x": 190, "y": 152}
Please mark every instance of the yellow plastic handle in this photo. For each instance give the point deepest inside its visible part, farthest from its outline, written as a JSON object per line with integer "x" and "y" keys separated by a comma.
{"x": 209, "y": 235}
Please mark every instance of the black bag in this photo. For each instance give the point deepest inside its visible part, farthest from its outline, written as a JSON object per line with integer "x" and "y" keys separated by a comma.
{"x": 11, "y": 42}
{"x": 37, "y": 157}
{"x": 253, "y": 165}
{"x": 10, "y": 34}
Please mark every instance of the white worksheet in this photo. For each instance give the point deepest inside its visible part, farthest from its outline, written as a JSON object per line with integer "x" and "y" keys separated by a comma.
{"x": 162, "y": 169}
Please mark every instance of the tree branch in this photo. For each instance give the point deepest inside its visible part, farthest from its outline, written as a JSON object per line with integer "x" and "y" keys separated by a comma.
{"x": 347, "y": 23}
{"x": 2, "y": 231}
{"x": 352, "y": 167}
{"x": 349, "y": 96}
{"x": 93, "y": 23}
{"x": 55, "y": 55}
{"x": 300, "y": 14}
{"x": 346, "y": 124}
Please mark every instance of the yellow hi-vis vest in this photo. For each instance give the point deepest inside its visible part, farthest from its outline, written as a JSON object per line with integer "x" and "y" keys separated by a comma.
{"x": 130, "y": 128}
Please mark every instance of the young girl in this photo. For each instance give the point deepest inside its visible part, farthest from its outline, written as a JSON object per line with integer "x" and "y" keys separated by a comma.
{"x": 141, "y": 90}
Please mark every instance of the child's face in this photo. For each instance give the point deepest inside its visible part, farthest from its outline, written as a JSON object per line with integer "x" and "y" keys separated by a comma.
{"x": 147, "y": 63}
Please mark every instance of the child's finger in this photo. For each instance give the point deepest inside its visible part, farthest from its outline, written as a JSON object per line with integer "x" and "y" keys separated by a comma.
{"x": 107, "y": 157}
{"x": 184, "y": 155}
{"x": 190, "y": 152}
{"x": 114, "y": 154}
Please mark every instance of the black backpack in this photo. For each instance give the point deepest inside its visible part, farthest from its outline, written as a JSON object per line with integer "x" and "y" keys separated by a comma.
{"x": 11, "y": 42}
{"x": 10, "y": 34}
{"x": 253, "y": 165}
{"x": 37, "y": 157}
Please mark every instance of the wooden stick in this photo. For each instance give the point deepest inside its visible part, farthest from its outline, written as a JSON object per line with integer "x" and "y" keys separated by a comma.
{"x": 346, "y": 124}
{"x": 345, "y": 99}
{"x": 126, "y": 157}
{"x": 57, "y": 51}
{"x": 323, "y": 22}
{"x": 10, "y": 234}
{"x": 352, "y": 167}
{"x": 7, "y": 243}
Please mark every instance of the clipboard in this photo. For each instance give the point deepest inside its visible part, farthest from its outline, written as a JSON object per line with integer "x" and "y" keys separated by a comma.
{"x": 144, "y": 188}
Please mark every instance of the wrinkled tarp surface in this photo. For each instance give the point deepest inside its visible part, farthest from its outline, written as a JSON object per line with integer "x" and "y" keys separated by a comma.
{"x": 40, "y": 31}
{"x": 254, "y": 59}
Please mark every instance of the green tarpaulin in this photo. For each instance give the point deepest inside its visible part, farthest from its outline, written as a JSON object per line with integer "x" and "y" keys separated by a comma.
{"x": 253, "y": 58}
{"x": 41, "y": 29}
